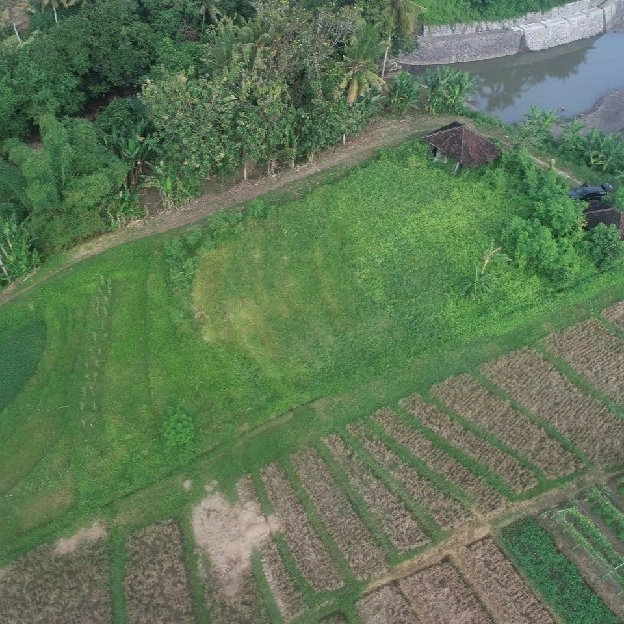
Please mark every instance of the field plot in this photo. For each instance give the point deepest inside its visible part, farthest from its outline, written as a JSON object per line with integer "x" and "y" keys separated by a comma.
{"x": 446, "y": 511}
{"x": 307, "y": 549}
{"x": 344, "y": 525}
{"x": 386, "y": 606}
{"x": 504, "y": 591}
{"x": 595, "y": 352}
{"x": 157, "y": 589}
{"x": 473, "y": 402}
{"x": 395, "y": 519}
{"x": 607, "y": 505}
{"x": 486, "y": 497}
{"x": 442, "y": 596}
{"x": 556, "y": 578}
{"x": 47, "y": 587}
{"x": 514, "y": 473}
{"x": 535, "y": 383}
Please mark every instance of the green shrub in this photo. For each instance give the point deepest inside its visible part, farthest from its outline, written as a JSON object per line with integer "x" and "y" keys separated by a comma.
{"x": 447, "y": 89}
{"x": 178, "y": 430}
{"x": 604, "y": 245}
{"x": 403, "y": 93}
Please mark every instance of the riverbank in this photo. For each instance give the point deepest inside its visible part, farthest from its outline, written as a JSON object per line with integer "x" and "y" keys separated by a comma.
{"x": 461, "y": 43}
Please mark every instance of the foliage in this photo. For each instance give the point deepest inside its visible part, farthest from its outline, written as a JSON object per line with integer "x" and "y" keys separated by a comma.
{"x": 605, "y": 245}
{"x": 556, "y": 578}
{"x": 403, "y": 93}
{"x": 537, "y": 128}
{"x": 485, "y": 277}
{"x": 17, "y": 257}
{"x": 447, "y": 89}
{"x": 64, "y": 184}
{"x": 602, "y": 505}
{"x": 178, "y": 430}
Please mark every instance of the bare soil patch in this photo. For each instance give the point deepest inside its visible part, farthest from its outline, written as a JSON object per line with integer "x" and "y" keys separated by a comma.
{"x": 421, "y": 447}
{"x": 516, "y": 475}
{"x": 157, "y": 589}
{"x": 307, "y": 549}
{"x": 395, "y": 518}
{"x": 226, "y": 536}
{"x": 442, "y": 596}
{"x": 474, "y": 403}
{"x": 446, "y": 511}
{"x": 386, "y": 606}
{"x": 505, "y": 592}
{"x": 45, "y": 587}
{"x": 536, "y": 384}
{"x": 68, "y": 545}
{"x": 344, "y": 525}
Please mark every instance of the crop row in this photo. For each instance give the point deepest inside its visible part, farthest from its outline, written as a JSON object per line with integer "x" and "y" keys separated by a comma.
{"x": 446, "y": 511}
{"x": 536, "y": 384}
{"x": 512, "y": 471}
{"x": 591, "y": 349}
{"x": 156, "y": 584}
{"x": 602, "y": 505}
{"x": 474, "y": 403}
{"x": 499, "y": 584}
{"x": 389, "y": 509}
{"x": 421, "y": 447}
{"x": 552, "y": 575}
{"x": 344, "y": 525}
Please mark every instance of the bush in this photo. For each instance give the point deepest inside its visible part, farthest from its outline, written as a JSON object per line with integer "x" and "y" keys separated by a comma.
{"x": 604, "y": 245}
{"x": 403, "y": 93}
{"x": 447, "y": 89}
{"x": 178, "y": 430}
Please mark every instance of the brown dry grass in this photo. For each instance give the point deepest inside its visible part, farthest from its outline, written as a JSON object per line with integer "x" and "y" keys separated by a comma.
{"x": 386, "y": 606}
{"x": 44, "y": 587}
{"x": 503, "y": 590}
{"x": 516, "y": 475}
{"x": 421, "y": 447}
{"x": 535, "y": 383}
{"x": 442, "y": 596}
{"x": 344, "y": 525}
{"x": 446, "y": 511}
{"x": 595, "y": 352}
{"x": 395, "y": 519}
{"x": 307, "y": 549}
{"x": 473, "y": 402}
{"x": 157, "y": 589}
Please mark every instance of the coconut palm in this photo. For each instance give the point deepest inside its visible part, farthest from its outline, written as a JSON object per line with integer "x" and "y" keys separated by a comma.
{"x": 55, "y": 5}
{"x": 401, "y": 16}
{"x": 360, "y": 63}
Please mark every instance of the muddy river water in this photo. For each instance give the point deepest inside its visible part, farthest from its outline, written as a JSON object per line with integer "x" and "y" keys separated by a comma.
{"x": 572, "y": 78}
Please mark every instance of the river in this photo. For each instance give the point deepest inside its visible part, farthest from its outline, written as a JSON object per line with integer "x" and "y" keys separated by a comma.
{"x": 571, "y": 78}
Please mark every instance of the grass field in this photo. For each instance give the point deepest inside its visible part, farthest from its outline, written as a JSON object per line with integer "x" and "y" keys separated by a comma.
{"x": 337, "y": 294}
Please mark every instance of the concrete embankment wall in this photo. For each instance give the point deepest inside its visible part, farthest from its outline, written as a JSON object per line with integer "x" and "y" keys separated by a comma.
{"x": 460, "y": 43}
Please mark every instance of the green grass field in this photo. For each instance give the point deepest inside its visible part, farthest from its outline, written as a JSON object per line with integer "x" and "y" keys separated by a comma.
{"x": 329, "y": 307}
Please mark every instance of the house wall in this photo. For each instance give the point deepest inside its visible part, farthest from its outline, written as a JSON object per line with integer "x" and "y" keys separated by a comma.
{"x": 460, "y": 43}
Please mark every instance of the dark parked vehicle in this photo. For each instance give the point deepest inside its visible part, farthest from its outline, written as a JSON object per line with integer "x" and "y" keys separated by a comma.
{"x": 589, "y": 193}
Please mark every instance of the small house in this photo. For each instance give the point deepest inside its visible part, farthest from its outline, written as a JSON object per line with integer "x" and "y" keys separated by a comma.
{"x": 465, "y": 146}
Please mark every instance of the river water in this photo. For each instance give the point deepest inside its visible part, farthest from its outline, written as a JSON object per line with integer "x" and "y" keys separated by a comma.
{"x": 571, "y": 78}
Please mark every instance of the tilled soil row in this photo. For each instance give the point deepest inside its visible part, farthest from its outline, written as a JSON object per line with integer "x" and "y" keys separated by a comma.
{"x": 474, "y": 403}
{"x": 514, "y": 473}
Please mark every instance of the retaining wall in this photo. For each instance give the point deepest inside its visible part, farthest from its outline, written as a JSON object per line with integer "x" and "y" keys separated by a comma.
{"x": 535, "y": 31}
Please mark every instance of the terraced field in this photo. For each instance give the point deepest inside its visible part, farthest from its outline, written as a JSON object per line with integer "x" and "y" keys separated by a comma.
{"x": 398, "y": 518}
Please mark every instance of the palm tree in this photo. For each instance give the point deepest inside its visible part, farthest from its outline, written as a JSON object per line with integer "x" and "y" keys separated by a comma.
{"x": 401, "y": 16}
{"x": 10, "y": 11}
{"x": 55, "y": 4}
{"x": 360, "y": 63}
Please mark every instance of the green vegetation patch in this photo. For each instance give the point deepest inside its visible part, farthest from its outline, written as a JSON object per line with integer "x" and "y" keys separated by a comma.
{"x": 20, "y": 352}
{"x": 555, "y": 577}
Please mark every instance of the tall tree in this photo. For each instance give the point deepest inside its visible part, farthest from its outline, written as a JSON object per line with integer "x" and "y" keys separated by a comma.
{"x": 401, "y": 17}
